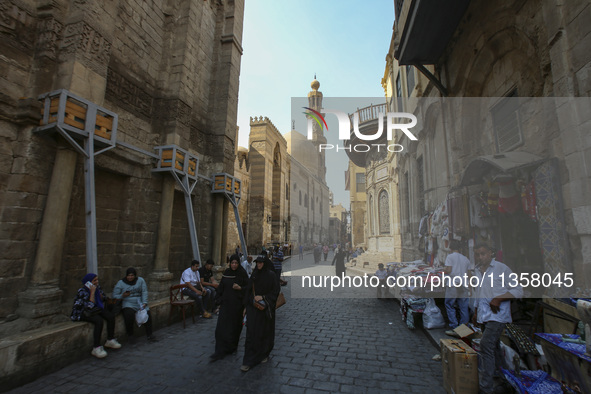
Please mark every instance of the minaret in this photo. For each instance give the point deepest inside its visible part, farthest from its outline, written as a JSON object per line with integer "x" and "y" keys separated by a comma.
{"x": 315, "y": 102}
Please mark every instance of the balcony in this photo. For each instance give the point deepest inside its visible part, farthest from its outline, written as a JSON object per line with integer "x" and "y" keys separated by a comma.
{"x": 425, "y": 28}
{"x": 368, "y": 124}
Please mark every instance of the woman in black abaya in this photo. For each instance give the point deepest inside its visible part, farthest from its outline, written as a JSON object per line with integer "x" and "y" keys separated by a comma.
{"x": 260, "y": 324}
{"x": 230, "y": 294}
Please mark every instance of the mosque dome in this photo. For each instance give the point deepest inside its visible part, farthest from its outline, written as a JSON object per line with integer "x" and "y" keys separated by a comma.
{"x": 315, "y": 84}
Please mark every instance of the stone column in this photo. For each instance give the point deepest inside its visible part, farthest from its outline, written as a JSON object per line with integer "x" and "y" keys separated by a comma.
{"x": 43, "y": 296}
{"x": 218, "y": 222}
{"x": 161, "y": 277}
{"x": 84, "y": 54}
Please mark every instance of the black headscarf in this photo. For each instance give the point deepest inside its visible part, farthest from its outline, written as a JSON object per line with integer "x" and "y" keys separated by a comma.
{"x": 130, "y": 270}
{"x": 268, "y": 266}
{"x": 240, "y": 276}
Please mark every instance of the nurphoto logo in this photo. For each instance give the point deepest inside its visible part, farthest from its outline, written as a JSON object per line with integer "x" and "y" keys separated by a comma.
{"x": 345, "y": 129}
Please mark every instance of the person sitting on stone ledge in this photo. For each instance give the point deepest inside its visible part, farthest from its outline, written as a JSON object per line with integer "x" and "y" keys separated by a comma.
{"x": 89, "y": 306}
{"x": 194, "y": 289}
{"x": 209, "y": 284}
{"x": 133, "y": 292}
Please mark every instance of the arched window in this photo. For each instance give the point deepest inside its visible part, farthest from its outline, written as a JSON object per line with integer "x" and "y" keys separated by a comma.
{"x": 371, "y": 216}
{"x": 384, "y": 212}
{"x": 300, "y": 197}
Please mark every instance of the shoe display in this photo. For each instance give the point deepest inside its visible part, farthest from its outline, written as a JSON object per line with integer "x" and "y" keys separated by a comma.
{"x": 206, "y": 315}
{"x": 244, "y": 368}
{"x": 99, "y": 352}
{"x": 113, "y": 344}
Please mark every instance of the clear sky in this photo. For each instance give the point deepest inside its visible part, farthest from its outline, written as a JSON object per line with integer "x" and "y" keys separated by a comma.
{"x": 343, "y": 42}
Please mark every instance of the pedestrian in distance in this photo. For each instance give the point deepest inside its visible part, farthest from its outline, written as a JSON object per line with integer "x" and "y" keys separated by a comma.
{"x": 382, "y": 275}
{"x": 194, "y": 289}
{"x": 339, "y": 262}
{"x": 264, "y": 289}
{"x": 89, "y": 305}
{"x": 133, "y": 293}
{"x": 301, "y": 252}
{"x": 246, "y": 264}
{"x": 317, "y": 253}
{"x": 230, "y": 295}
{"x": 278, "y": 258}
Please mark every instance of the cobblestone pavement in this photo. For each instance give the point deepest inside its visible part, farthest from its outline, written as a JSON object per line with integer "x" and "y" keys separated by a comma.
{"x": 322, "y": 345}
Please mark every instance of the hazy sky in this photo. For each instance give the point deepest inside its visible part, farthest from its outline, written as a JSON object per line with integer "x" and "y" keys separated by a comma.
{"x": 285, "y": 43}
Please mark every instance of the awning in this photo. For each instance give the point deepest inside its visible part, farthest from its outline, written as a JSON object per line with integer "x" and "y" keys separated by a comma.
{"x": 427, "y": 29}
{"x": 502, "y": 163}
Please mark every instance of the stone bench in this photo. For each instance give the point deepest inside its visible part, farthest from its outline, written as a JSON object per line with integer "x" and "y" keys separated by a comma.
{"x": 29, "y": 354}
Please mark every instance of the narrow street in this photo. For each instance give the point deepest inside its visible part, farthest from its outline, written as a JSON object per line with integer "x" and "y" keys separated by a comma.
{"x": 322, "y": 345}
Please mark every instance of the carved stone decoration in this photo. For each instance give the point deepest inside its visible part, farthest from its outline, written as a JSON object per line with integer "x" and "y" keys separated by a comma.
{"x": 172, "y": 110}
{"x": 88, "y": 45}
{"x": 50, "y": 31}
{"x": 128, "y": 95}
{"x": 17, "y": 25}
{"x": 384, "y": 212}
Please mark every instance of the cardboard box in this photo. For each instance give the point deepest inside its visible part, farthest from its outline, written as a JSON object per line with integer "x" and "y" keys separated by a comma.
{"x": 460, "y": 367}
{"x": 463, "y": 331}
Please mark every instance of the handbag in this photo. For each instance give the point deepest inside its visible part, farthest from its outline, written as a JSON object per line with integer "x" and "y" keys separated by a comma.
{"x": 260, "y": 305}
{"x": 280, "y": 301}
{"x": 92, "y": 312}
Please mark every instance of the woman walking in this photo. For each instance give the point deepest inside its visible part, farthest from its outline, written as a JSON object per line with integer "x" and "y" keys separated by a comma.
{"x": 230, "y": 295}
{"x": 264, "y": 289}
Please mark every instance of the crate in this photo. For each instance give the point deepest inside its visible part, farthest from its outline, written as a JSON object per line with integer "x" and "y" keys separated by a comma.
{"x": 75, "y": 116}
{"x": 179, "y": 161}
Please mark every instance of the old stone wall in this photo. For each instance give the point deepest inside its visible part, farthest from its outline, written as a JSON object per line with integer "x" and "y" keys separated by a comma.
{"x": 170, "y": 71}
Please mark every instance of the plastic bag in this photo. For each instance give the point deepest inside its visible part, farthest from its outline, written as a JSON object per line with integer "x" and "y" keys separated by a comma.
{"x": 432, "y": 317}
{"x": 141, "y": 316}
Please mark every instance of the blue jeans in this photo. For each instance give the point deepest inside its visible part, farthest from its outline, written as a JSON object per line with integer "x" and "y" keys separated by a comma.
{"x": 450, "y": 307}
{"x": 199, "y": 300}
{"x": 490, "y": 355}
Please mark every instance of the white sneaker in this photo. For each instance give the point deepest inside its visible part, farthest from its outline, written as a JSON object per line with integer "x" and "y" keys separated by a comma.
{"x": 99, "y": 352}
{"x": 113, "y": 344}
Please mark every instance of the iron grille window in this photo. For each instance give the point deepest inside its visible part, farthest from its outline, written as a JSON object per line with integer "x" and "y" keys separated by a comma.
{"x": 506, "y": 123}
{"x": 407, "y": 201}
{"x": 399, "y": 92}
{"x": 360, "y": 181}
{"x": 421, "y": 185}
{"x": 410, "y": 79}
{"x": 384, "y": 212}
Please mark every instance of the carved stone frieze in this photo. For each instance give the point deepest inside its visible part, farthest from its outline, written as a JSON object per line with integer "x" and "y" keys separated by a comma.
{"x": 168, "y": 110}
{"x": 17, "y": 24}
{"x": 87, "y": 44}
{"x": 128, "y": 95}
{"x": 50, "y": 31}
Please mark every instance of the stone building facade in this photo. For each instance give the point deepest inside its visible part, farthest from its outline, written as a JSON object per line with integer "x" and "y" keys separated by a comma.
{"x": 285, "y": 195}
{"x": 270, "y": 168}
{"x": 356, "y": 184}
{"x": 501, "y": 93}
{"x": 169, "y": 71}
